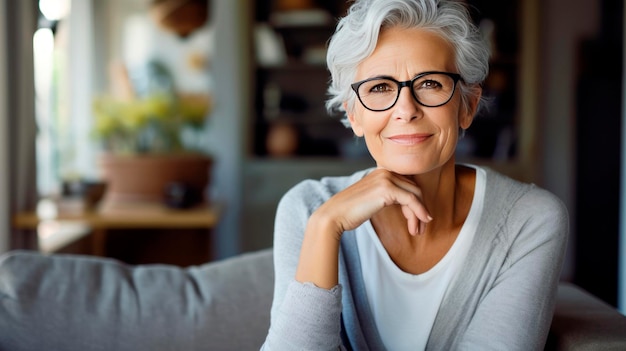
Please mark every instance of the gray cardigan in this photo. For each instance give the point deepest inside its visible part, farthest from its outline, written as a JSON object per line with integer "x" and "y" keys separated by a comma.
{"x": 502, "y": 300}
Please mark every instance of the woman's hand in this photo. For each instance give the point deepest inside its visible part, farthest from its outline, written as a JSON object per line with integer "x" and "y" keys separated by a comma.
{"x": 347, "y": 210}
{"x": 356, "y": 204}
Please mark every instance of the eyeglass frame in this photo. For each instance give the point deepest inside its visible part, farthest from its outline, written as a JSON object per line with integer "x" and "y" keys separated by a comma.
{"x": 408, "y": 83}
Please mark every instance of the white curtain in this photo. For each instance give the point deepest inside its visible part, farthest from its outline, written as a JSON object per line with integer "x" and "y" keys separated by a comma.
{"x": 18, "y": 22}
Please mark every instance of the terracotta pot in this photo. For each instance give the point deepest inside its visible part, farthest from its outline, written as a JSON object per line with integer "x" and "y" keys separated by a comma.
{"x": 146, "y": 177}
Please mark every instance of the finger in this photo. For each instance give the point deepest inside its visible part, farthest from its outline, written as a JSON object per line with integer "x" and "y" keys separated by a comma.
{"x": 422, "y": 229}
{"x": 415, "y": 205}
{"x": 412, "y": 221}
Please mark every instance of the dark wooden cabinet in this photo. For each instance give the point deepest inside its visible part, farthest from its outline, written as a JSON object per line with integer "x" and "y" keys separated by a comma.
{"x": 290, "y": 95}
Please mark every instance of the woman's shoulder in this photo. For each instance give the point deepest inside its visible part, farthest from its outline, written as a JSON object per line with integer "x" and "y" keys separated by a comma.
{"x": 317, "y": 191}
{"x": 520, "y": 194}
{"x": 522, "y": 204}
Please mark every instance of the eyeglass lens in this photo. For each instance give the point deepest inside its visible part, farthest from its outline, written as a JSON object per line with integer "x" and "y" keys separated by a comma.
{"x": 431, "y": 90}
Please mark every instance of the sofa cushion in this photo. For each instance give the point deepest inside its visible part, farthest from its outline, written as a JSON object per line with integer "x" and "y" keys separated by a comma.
{"x": 69, "y": 302}
{"x": 584, "y": 322}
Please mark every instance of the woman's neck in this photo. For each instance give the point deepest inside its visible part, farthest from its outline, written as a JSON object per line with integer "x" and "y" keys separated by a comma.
{"x": 447, "y": 193}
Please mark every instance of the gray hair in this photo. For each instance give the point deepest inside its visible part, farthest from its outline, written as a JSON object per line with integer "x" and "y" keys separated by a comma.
{"x": 357, "y": 35}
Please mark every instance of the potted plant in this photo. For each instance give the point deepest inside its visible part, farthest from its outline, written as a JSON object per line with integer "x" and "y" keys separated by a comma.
{"x": 151, "y": 142}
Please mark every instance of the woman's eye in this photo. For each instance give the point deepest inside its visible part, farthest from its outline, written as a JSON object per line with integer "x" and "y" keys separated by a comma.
{"x": 430, "y": 84}
{"x": 380, "y": 88}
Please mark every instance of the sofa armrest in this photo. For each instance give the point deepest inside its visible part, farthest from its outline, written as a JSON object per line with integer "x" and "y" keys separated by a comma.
{"x": 68, "y": 302}
{"x": 583, "y": 322}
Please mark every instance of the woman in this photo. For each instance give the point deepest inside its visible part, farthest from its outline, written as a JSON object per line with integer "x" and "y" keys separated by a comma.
{"x": 419, "y": 252}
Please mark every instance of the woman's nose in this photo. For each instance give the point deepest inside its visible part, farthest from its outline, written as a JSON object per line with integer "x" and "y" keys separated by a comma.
{"x": 406, "y": 107}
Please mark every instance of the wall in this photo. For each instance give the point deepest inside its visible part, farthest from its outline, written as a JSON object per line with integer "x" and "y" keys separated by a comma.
{"x": 229, "y": 122}
{"x": 17, "y": 182}
{"x": 557, "y": 125}
{"x": 598, "y": 102}
{"x": 622, "y": 248}
{"x": 581, "y": 112}
{"x": 5, "y": 219}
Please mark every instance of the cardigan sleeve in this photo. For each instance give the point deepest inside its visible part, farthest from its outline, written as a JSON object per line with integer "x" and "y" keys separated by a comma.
{"x": 304, "y": 316}
{"x": 516, "y": 312}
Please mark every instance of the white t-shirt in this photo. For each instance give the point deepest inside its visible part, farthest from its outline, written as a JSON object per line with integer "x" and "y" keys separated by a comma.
{"x": 404, "y": 305}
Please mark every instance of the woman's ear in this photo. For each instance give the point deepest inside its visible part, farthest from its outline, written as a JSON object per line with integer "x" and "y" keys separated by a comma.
{"x": 354, "y": 122}
{"x": 471, "y": 107}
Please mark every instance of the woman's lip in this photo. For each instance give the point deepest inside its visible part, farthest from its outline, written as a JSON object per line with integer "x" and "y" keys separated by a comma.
{"x": 409, "y": 139}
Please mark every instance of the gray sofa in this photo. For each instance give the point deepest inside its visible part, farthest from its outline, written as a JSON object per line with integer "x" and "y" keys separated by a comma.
{"x": 64, "y": 302}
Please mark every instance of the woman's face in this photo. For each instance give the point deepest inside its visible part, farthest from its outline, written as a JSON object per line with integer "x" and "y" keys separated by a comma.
{"x": 410, "y": 138}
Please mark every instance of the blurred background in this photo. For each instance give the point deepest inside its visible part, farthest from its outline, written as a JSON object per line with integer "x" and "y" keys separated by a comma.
{"x": 242, "y": 83}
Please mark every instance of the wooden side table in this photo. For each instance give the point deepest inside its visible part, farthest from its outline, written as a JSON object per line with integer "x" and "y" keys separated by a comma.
{"x": 128, "y": 216}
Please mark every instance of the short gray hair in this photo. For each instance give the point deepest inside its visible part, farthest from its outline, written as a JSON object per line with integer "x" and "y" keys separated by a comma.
{"x": 357, "y": 35}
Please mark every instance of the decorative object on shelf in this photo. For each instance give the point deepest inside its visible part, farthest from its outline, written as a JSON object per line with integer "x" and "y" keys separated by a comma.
{"x": 293, "y": 5}
{"x": 269, "y": 46}
{"x": 182, "y": 17}
{"x": 78, "y": 196}
{"x": 282, "y": 140}
{"x": 299, "y": 13}
{"x": 82, "y": 194}
{"x": 180, "y": 195}
{"x": 298, "y": 18}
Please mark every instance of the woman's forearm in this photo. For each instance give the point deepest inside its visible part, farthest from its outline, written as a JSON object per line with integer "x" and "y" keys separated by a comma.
{"x": 318, "y": 262}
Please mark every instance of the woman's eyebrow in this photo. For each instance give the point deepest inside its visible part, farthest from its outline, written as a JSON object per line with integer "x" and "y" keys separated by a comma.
{"x": 385, "y": 76}
{"x": 382, "y": 76}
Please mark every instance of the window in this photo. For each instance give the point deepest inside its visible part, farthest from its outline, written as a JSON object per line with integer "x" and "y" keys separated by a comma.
{"x": 64, "y": 82}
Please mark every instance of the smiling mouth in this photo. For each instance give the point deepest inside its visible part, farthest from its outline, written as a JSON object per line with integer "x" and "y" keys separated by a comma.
{"x": 409, "y": 139}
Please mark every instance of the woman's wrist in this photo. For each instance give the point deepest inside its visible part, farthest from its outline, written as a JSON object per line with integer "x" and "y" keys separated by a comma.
{"x": 319, "y": 255}
{"x": 324, "y": 226}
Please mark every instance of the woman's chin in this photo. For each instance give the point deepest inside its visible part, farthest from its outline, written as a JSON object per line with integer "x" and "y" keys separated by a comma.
{"x": 409, "y": 166}
{"x": 407, "y": 169}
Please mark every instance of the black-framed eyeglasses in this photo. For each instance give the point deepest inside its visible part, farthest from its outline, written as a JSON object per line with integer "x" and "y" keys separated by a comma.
{"x": 430, "y": 89}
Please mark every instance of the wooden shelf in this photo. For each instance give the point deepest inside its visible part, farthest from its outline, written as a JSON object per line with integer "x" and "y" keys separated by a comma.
{"x": 131, "y": 216}
{"x": 145, "y": 232}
